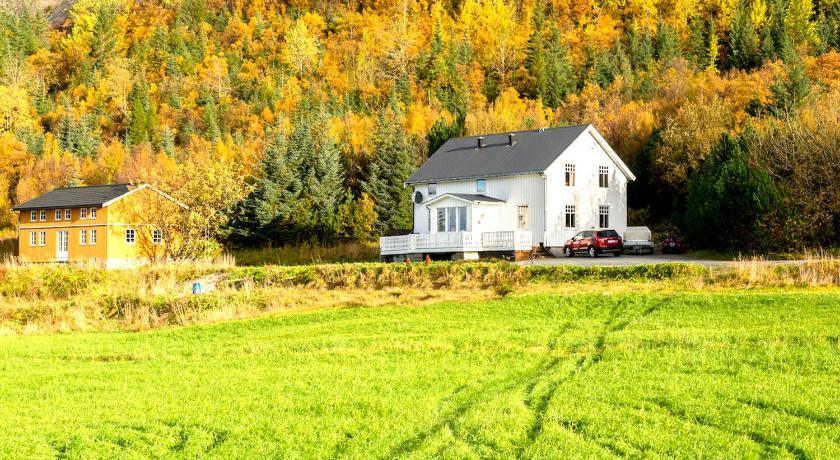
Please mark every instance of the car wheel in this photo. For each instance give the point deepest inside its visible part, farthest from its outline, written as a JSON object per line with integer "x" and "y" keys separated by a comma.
{"x": 617, "y": 253}
{"x": 592, "y": 252}
{"x": 568, "y": 251}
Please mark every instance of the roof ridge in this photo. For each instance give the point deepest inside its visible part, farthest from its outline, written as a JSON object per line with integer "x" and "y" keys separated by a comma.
{"x": 92, "y": 186}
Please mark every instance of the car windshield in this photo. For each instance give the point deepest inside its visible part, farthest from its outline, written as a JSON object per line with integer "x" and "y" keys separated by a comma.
{"x": 607, "y": 234}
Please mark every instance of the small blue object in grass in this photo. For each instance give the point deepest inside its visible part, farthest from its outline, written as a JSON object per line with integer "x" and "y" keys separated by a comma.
{"x": 196, "y": 288}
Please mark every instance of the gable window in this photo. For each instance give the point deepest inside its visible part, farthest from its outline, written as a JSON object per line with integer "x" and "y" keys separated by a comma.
{"x": 603, "y": 216}
{"x": 570, "y": 216}
{"x": 452, "y": 219}
{"x": 43, "y": 215}
{"x": 33, "y": 216}
{"x": 42, "y": 239}
{"x": 432, "y": 189}
{"x": 130, "y": 236}
{"x": 93, "y": 213}
{"x": 603, "y": 176}
{"x": 93, "y": 237}
{"x": 82, "y": 237}
{"x": 32, "y": 241}
{"x": 481, "y": 186}
{"x": 157, "y": 236}
{"x": 83, "y": 213}
{"x": 68, "y": 214}
{"x": 570, "y": 175}
{"x": 58, "y": 214}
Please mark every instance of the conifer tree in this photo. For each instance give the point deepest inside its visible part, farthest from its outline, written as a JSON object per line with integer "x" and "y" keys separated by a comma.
{"x": 743, "y": 41}
{"x": 143, "y": 116}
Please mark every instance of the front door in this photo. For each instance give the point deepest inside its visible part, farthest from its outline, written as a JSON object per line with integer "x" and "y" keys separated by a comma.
{"x": 62, "y": 246}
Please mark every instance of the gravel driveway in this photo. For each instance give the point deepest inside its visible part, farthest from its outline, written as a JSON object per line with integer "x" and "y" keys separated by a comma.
{"x": 632, "y": 259}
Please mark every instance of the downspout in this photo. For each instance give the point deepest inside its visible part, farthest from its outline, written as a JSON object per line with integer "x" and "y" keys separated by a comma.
{"x": 545, "y": 210}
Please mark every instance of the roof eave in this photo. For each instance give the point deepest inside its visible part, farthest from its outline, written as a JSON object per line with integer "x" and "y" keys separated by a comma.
{"x": 475, "y": 176}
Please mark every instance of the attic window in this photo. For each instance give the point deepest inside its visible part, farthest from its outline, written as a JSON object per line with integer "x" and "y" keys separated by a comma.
{"x": 570, "y": 175}
{"x": 432, "y": 188}
{"x": 603, "y": 176}
{"x": 481, "y": 186}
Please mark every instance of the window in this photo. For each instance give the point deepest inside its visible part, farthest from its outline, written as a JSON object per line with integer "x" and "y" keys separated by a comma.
{"x": 570, "y": 175}
{"x": 603, "y": 216}
{"x": 603, "y": 176}
{"x": 522, "y": 217}
{"x": 83, "y": 213}
{"x": 82, "y": 237}
{"x": 570, "y": 217}
{"x": 32, "y": 241}
{"x": 93, "y": 213}
{"x": 130, "y": 236}
{"x": 157, "y": 236}
{"x": 452, "y": 219}
{"x": 33, "y": 216}
{"x": 481, "y": 186}
{"x": 432, "y": 189}
{"x": 68, "y": 214}
{"x": 42, "y": 239}
{"x": 43, "y": 215}
{"x": 58, "y": 214}
{"x": 93, "y": 237}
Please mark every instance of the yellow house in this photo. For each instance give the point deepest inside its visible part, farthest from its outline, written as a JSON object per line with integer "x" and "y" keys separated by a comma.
{"x": 82, "y": 224}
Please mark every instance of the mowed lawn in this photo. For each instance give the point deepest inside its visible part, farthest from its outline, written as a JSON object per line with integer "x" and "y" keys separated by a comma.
{"x": 718, "y": 374}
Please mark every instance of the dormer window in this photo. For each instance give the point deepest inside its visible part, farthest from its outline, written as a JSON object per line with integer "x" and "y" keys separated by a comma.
{"x": 432, "y": 189}
{"x": 481, "y": 186}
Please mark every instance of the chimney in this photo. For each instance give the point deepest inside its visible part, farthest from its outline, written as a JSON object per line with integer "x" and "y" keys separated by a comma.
{"x": 481, "y": 142}
{"x": 511, "y": 139}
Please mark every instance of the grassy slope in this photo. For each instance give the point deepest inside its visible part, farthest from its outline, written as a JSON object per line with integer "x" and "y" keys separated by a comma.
{"x": 728, "y": 374}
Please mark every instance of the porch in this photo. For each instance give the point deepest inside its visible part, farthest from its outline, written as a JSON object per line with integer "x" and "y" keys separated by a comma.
{"x": 454, "y": 242}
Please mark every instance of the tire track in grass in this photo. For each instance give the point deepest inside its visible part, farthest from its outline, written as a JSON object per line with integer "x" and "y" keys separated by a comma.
{"x": 488, "y": 390}
{"x": 584, "y": 363}
{"x": 797, "y": 412}
{"x": 767, "y": 444}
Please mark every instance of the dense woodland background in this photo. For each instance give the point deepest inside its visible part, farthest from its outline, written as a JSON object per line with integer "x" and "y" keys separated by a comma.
{"x": 300, "y": 120}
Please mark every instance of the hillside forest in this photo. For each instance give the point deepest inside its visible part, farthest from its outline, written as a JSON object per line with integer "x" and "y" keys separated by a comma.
{"x": 294, "y": 121}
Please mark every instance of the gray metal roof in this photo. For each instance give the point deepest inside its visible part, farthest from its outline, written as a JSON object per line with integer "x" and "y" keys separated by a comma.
{"x": 533, "y": 152}
{"x": 75, "y": 197}
{"x": 466, "y": 197}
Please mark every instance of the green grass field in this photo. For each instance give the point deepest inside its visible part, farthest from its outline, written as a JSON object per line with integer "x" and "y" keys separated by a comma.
{"x": 722, "y": 374}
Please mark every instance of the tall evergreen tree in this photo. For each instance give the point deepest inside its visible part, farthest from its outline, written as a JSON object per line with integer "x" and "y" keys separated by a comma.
{"x": 743, "y": 40}
{"x": 390, "y": 169}
{"x": 560, "y": 78}
{"x": 665, "y": 48}
{"x": 142, "y": 120}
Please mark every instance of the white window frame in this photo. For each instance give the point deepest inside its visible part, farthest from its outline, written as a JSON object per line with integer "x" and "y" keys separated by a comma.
{"x": 604, "y": 216}
{"x": 522, "y": 211}
{"x": 571, "y": 211}
{"x": 481, "y": 186}
{"x": 157, "y": 236}
{"x": 93, "y": 213}
{"x": 82, "y": 237}
{"x": 432, "y": 188}
{"x": 603, "y": 176}
{"x": 68, "y": 214}
{"x": 461, "y": 225}
{"x": 570, "y": 175}
{"x": 58, "y": 214}
{"x": 33, "y": 239}
{"x": 83, "y": 213}
{"x": 92, "y": 240}
{"x": 33, "y": 216}
{"x": 133, "y": 238}
{"x": 42, "y": 239}
{"x": 43, "y": 215}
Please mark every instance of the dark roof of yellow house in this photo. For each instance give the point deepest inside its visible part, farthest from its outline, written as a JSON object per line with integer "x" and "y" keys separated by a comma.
{"x": 76, "y": 197}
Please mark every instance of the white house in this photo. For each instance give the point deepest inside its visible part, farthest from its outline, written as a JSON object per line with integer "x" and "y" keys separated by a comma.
{"x": 511, "y": 192}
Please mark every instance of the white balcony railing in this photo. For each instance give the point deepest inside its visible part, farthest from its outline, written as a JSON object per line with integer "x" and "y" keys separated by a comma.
{"x": 456, "y": 242}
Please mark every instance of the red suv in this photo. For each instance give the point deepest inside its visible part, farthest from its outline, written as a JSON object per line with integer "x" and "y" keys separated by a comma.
{"x": 594, "y": 242}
